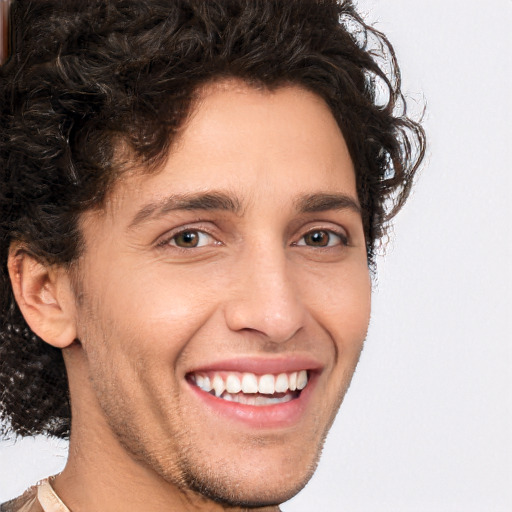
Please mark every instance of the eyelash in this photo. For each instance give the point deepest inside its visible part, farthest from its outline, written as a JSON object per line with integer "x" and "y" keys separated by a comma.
{"x": 202, "y": 232}
{"x": 343, "y": 239}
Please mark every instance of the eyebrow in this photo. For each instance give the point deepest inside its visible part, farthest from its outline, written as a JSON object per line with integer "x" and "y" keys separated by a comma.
{"x": 323, "y": 202}
{"x": 319, "y": 202}
{"x": 201, "y": 201}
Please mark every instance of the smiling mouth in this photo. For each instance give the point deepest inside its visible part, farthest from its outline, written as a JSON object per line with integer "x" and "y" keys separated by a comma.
{"x": 251, "y": 389}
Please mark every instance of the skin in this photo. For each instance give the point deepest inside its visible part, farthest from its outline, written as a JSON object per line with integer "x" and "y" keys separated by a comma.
{"x": 148, "y": 312}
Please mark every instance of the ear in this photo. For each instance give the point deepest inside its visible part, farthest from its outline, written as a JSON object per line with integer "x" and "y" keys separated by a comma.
{"x": 45, "y": 297}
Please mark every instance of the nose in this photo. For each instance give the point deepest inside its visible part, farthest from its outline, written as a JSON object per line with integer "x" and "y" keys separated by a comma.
{"x": 265, "y": 297}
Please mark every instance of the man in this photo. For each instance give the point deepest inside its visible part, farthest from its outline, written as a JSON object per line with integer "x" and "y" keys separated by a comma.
{"x": 191, "y": 197}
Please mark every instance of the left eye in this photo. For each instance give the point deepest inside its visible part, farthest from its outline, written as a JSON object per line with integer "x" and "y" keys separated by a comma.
{"x": 191, "y": 239}
{"x": 322, "y": 238}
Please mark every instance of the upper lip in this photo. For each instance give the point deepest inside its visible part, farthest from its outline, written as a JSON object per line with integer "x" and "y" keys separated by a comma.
{"x": 262, "y": 365}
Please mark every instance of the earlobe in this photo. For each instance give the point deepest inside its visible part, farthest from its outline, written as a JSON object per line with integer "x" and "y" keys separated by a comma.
{"x": 44, "y": 296}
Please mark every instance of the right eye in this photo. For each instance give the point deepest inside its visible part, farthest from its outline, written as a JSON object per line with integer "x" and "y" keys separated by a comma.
{"x": 190, "y": 239}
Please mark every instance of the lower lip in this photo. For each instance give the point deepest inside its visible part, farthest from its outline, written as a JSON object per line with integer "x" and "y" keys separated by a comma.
{"x": 264, "y": 416}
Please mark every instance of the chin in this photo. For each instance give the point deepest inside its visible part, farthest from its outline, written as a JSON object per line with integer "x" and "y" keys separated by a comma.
{"x": 236, "y": 492}
{"x": 251, "y": 482}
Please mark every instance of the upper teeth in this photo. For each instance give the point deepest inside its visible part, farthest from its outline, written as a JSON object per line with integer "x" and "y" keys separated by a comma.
{"x": 234, "y": 382}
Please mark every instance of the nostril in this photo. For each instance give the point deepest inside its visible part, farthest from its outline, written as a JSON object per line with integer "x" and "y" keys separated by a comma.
{"x": 274, "y": 320}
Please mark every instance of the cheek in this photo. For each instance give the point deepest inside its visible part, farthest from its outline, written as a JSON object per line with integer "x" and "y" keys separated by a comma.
{"x": 340, "y": 300}
{"x": 136, "y": 331}
{"x": 155, "y": 306}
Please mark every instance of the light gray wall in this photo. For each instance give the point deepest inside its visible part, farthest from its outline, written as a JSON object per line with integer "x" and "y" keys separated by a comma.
{"x": 427, "y": 424}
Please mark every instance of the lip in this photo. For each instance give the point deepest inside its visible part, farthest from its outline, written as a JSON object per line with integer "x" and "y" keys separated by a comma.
{"x": 264, "y": 417}
{"x": 261, "y": 366}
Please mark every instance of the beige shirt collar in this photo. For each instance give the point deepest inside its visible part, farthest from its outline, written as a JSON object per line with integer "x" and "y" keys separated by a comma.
{"x": 48, "y": 498}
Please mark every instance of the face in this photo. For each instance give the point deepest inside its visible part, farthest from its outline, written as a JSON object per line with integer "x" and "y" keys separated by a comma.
{"x": 225, "y": 298}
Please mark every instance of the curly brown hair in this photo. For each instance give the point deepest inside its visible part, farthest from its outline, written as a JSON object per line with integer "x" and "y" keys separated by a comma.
{"x": 86, "y": 76}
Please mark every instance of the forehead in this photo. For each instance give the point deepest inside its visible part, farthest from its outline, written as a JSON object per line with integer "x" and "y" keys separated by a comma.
{"x": 251, "y": 144}
{"x": 240, "y": 127}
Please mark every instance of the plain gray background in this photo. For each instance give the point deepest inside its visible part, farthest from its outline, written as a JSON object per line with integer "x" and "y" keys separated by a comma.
{"x": 427, "y": 423}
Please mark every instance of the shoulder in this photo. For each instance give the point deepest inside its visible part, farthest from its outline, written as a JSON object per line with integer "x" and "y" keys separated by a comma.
{"x": 27, "y": 502}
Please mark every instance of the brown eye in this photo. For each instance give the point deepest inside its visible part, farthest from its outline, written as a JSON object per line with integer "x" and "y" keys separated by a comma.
{"x": 317, "y": 238}
{"x": 190, "y": 239}
{"x": 322, "y": 238}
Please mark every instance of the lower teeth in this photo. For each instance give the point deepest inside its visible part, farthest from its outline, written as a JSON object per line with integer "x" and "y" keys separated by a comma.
{"x": 257, "y": 399}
